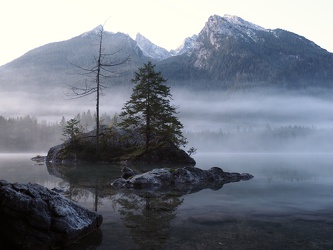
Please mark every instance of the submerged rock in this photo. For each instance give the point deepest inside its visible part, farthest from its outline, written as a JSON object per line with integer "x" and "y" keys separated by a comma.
{"x": 39, "y": 159}
{"x": 186, "y": 179}
{"x": 34, "y": 217}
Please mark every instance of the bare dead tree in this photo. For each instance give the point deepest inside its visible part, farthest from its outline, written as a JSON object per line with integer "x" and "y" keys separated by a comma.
{"x": 103, "y": 69}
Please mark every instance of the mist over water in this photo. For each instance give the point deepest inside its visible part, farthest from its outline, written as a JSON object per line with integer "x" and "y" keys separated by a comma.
{"x": 198, "y": 111}
{"x": 51, "y": 106}
{"x": 265, "y": 120}
{"x": 230, "y": 111}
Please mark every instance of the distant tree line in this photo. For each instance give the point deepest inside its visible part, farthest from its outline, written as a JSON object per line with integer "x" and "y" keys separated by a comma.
{"x": 24, "y": 134}
{"x": 27, "y": 134}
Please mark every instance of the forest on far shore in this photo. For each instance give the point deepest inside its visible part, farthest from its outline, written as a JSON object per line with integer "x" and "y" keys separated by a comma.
{"x": 27, "y": 134}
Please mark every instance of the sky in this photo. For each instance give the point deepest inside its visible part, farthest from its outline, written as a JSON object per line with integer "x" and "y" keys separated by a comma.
{"x": 25, "y": 25}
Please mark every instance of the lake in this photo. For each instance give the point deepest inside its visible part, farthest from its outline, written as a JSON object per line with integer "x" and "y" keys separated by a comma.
{"x": 287, "y": 205}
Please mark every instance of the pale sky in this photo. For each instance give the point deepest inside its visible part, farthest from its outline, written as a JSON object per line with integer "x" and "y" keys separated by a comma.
{"x": 27, "y": 24}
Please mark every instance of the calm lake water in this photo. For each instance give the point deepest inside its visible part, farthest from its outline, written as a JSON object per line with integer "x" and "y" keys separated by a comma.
{"x": 287, "y": 205}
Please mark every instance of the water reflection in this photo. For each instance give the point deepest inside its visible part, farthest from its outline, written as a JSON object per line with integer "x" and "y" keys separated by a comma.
{"x": 79, "y": 181}
{"x": 289, "y": 174}
{"x": 288, "y": 205}
{"x": 147, "y": 215}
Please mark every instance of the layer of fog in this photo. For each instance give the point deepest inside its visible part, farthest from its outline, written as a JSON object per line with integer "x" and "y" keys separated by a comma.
{"x": 230, "y": 111}
{"x": 241, "y": 117}
{"x": 52, "y": 106}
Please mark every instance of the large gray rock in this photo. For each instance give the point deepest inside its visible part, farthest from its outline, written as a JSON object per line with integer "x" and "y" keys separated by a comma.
{"x": 34, "y": 217}
{"x": 186, "y": 179}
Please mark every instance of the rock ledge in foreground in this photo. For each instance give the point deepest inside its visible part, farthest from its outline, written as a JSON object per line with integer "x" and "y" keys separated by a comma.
{"x": 34, "y": 217}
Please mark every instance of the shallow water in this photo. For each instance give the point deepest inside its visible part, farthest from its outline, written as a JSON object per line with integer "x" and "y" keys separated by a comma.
{"x": 287, "y": 205}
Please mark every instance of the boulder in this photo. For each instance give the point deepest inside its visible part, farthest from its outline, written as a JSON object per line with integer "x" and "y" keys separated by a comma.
{"x": 186, "y": 179}
{"x": 34, "y": 217}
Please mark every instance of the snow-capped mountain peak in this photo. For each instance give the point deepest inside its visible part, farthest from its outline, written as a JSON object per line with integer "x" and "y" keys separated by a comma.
{"x": 150, "y": 49}
{"x": 217, "y": 27}
{"x": 230, "y": 25}
{"x": 241, "y": 22}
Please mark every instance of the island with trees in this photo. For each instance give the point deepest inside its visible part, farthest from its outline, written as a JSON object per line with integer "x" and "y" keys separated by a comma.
{"x": 146, "y": 131}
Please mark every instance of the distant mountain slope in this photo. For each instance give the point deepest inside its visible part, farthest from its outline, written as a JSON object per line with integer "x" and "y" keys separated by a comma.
{"x": 54, "y": 63}
{"x": 230, "y": 51}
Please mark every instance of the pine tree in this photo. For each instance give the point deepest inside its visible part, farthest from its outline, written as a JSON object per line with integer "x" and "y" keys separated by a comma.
{"x": 72, "y": 130}
{"x": 149, "y": 111}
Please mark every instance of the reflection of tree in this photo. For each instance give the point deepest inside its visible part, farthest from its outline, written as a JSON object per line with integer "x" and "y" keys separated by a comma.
{"x": 148, "y": 216}
{"x": 82, "y": 180}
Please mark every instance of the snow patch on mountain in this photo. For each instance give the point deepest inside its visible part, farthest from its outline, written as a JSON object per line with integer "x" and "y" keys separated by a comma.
{"x": 93, "y": 32}
{"x": 241, "y": 23}
{"x": 230, "y": 25}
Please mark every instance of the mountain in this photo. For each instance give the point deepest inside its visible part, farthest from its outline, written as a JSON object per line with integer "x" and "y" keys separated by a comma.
{"x": 230, "y": 51}
{"x": 150, "y": 49}
{"x": 58, "y": 64}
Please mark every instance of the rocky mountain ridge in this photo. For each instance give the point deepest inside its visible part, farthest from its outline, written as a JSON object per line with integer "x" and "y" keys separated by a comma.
{"x": 230, "y": 51}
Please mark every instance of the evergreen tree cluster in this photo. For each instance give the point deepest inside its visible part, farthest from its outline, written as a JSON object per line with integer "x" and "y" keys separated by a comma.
{"x": 88, "y": 120}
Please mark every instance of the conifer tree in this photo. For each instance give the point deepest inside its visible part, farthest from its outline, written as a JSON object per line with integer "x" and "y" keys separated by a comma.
{"x": 149, "y": 111}
{"x": 72, "y": 130}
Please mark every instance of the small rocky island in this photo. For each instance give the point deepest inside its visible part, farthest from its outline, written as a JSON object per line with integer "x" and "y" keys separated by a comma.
{"x": 146, "y": 131}
{"x": 118, "y": 146}
{"x": 34, "y": 217}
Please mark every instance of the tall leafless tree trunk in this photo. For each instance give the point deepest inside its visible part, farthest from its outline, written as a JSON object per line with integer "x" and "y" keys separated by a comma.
{"x": 100, "y": 70}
